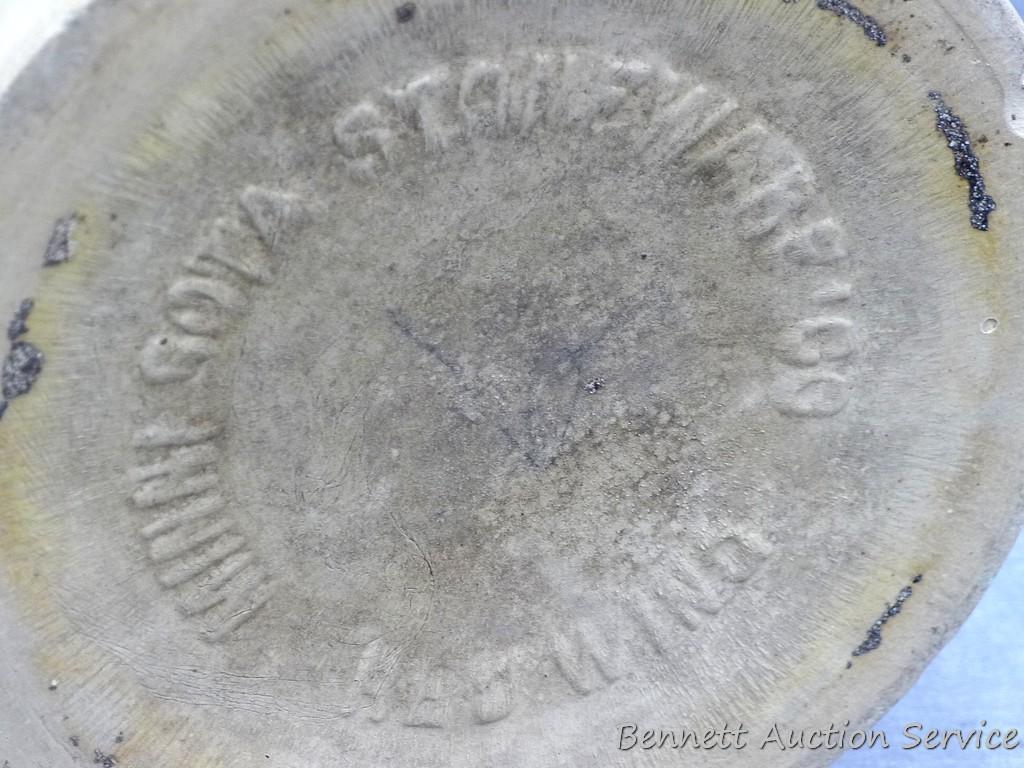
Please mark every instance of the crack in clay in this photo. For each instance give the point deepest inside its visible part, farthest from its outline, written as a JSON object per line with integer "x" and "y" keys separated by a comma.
{"x": 18, "y": 325}
{"x": 58, "y": 250}
{"x": 22, "y": 367}
{"x": 967, "y": 165}
{"x": 874, "y": 634}
{"x": 23, "y": 363}
{"x": 846, "y": 10}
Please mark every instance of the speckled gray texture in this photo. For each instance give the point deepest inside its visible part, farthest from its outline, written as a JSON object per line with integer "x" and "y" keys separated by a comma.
{"x": 19, "y": 323}
{"x": 965, "y": 161}
{"x": 58, "y": 249}
{"x": 23, "y": 363}
{"x": 21, "y": 368}
{"x": 874, "y": 634}
{"x": 872, "y": 29}
{"x": 844, "y": 9}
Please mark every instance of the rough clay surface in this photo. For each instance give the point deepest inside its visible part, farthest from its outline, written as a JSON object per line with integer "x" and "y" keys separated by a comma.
{"x": 447, "y": 385}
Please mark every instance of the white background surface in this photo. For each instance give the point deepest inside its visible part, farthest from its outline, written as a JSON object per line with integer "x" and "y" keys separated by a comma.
{"x": 25, "y": 25}
{"x": 978, "y": 677}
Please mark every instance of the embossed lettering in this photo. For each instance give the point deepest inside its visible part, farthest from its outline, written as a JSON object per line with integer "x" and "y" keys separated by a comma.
{"x": 737, "y": 558}
{"x": 421, "y": 103}
{"x": 483, "y": 98}
{"x": 170, "y": 358}
{"x": 197, "y": 547}
{"x": 582, "y": 657}
{"x": 819, "y": 339}
{"x": 270, "y": 213}
{"x": 681, "y": 125}
{"x": 198, "y": 304}
{"x": 815, "y": 394}
{"x": 238, "y": 600}
{"x": 224, "y": 253}
{"x": 819, "y": 244}
{"x": 185, "y": 472}
{"x": 365, "y": 138}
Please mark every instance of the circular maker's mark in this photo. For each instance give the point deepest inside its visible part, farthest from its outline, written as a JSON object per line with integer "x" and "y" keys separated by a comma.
{"x": 418, "y": 399}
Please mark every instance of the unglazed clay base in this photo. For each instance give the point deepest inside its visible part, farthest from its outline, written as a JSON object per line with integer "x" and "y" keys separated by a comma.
{"x": 454, "y": 384}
